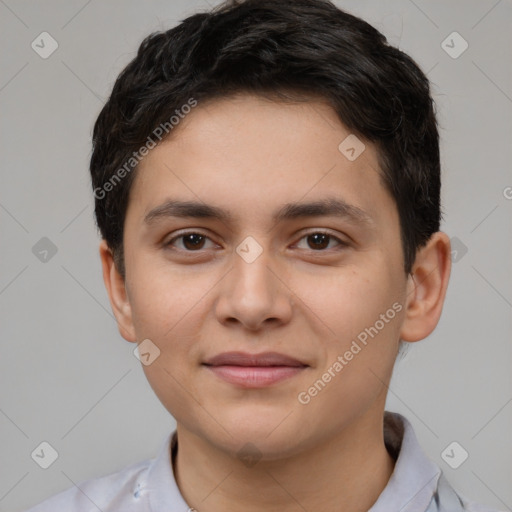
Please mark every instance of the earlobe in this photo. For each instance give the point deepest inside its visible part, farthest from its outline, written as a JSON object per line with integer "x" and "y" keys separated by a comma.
{"x": 119, "y": 301}
{"x": 426, "y": 288}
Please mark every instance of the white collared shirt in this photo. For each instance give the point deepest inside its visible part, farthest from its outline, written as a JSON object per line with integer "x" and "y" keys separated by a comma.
{"x": 416, "y": 484}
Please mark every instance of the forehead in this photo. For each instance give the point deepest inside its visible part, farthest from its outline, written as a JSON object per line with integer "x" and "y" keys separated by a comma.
{"x": 248, "y": 152}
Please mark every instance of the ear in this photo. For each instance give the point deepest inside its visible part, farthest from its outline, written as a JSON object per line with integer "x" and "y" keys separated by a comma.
{"x": 426, "y": 288}
{"x": 115, "y": 285}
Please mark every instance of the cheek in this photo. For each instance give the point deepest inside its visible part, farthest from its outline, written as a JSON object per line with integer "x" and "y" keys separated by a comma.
{"x": 350, "y": 301}
{"x": 167, "y": 304}
{"x": 170, "y": 309}
{"x": 363, "y": 308}
{"x": 365, "y": 313}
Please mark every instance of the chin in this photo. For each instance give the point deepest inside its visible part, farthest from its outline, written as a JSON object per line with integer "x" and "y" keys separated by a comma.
{"x": 267, "y": 430}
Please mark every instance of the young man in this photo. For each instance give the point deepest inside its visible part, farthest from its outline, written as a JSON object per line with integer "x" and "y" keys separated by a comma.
{"x": 267, "y": 185}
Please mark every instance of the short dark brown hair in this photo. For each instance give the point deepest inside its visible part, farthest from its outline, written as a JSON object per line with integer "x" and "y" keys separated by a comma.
{"x": 281, "y": 49}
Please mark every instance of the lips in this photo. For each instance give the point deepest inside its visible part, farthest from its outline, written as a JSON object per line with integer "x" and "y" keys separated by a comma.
{"x": 254, "y": 370}
{"x": 244, "y": 359}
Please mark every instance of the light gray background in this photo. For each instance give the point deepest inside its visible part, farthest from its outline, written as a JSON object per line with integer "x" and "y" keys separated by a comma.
{"x": 67, "y": 376}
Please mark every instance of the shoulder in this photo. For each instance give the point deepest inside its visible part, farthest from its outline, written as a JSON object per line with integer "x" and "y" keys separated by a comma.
{"x": 416, "y": 475}
{"x": 116, "y": 491}
{"x": 447, "y": 499}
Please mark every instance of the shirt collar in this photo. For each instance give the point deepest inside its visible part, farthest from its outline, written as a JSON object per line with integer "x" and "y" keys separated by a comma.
{"x": 413, "y": 482}
{"x": 411, "y": 487}
{"x": 163, "y": 491}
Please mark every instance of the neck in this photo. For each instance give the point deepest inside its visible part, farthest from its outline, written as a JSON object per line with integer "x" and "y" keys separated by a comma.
{"x": 346, "y": 472}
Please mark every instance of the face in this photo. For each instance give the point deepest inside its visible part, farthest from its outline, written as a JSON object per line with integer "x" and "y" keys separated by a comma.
{"x": 278, "y": 296}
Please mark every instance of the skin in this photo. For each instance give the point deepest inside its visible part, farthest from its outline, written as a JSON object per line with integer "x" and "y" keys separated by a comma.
{"x": 297, "y": 299}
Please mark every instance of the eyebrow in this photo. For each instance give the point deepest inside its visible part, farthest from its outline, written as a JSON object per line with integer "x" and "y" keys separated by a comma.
{"x": 334, "y": 207}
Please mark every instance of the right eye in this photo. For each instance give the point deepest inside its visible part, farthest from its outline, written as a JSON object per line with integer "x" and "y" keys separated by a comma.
{"x": 191, "y": 241}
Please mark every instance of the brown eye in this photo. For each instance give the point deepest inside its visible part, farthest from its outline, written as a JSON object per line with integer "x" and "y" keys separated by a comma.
{"x": 189, "y": 242}
{"x": 318, "y": 241}
{"x": 193, "y": 241}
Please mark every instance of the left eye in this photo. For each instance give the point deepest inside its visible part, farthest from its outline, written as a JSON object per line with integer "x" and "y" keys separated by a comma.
{"x": 319, "y": 241}
{"x": 190, "y": 241}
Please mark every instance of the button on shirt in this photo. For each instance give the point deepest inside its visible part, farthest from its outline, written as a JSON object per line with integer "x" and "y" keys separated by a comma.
{"x": 416, "y": 484}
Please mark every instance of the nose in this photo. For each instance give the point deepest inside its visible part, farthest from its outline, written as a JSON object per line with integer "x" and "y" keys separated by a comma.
{"x": 254, "y": 295}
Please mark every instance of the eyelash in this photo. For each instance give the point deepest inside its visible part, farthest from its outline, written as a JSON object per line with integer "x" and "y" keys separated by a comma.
{"x": 340, "y": 243}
